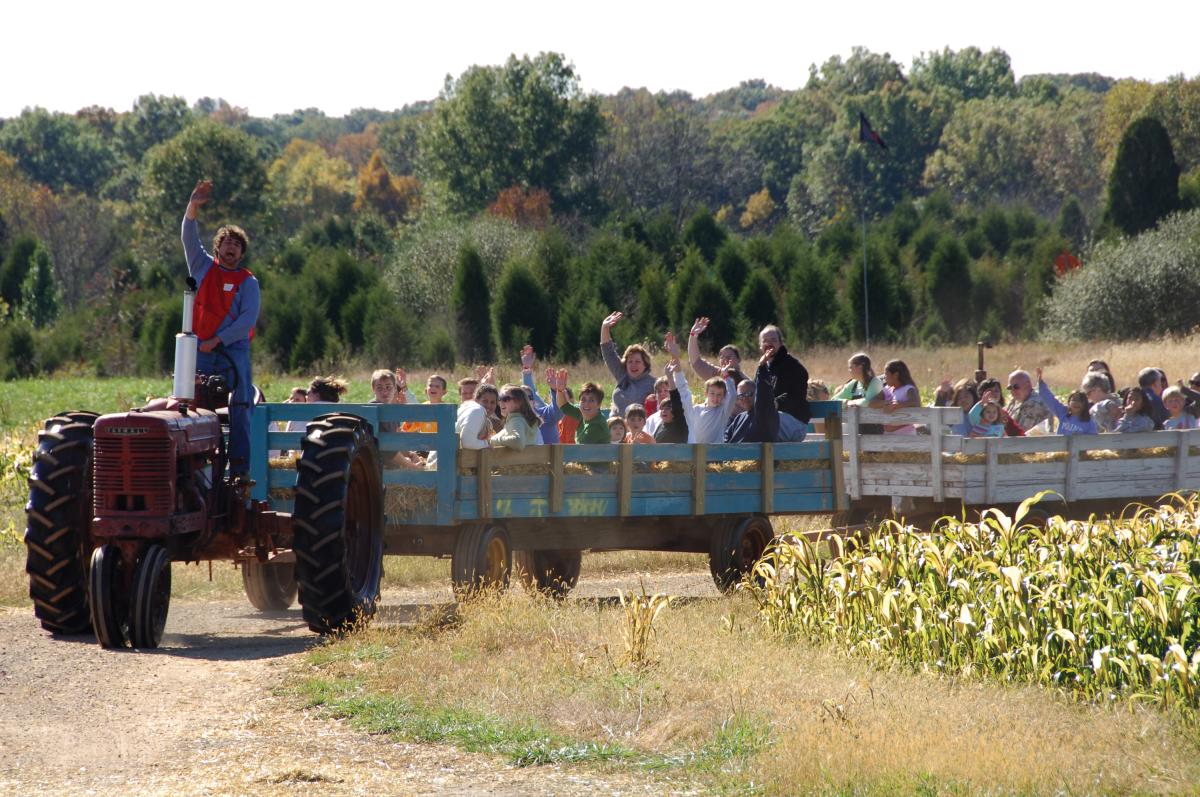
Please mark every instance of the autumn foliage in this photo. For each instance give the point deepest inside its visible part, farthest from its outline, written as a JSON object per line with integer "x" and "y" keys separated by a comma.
{"x": 392, "y": 197}
{"x": 528, "y": 207}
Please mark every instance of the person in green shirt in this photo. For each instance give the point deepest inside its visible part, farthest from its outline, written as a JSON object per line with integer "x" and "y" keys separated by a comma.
{"x": 863, "y": 385}
{"x": 593, "y": 428}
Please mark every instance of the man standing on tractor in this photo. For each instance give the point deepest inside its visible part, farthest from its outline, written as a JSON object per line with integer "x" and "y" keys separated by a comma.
{"x": 226, "y": 310}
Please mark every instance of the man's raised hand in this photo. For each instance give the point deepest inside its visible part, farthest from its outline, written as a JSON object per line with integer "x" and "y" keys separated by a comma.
{"x": 700, "y": 325}
{"x": 201, "y": 193}
{"x": 528, "y": 357}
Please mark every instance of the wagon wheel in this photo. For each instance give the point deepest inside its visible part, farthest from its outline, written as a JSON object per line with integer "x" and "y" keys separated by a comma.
{"x": 270, "y": 586}
{"x": 736, "y": 545}
{"x": 552, "y": 573}
{"x": 58, "y": 522}
{"x": 151, "y": 598}
{"x": 482, "y": 559}
{"x": 106, "y": 596}
{"x": 338, "y": 520}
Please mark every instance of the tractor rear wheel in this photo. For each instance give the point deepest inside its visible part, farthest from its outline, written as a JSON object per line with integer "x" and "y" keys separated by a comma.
{"x": 151, "y": 598}
{"x": 338, "y": 523}
{"x": 736, "y": 545}
{"x": 552, "y": 573}
{"x": 482, "y": 559}
{"x": 58, "y": 521}
{"x": 270, "y": 586}
{"x": 107, "y": 598}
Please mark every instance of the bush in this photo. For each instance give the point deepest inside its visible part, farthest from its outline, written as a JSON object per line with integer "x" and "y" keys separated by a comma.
{"x": 472, "y": 307}
{"x": 1137, "y": 288}
{"x": 438, "y": 351}
{"x": 17, "y": 351}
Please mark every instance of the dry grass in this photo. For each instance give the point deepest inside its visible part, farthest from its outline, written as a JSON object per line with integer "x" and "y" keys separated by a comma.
{"x": 835, "y": 723}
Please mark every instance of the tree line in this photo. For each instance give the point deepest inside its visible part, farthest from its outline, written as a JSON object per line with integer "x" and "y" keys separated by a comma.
{"x": 516, "y": 207}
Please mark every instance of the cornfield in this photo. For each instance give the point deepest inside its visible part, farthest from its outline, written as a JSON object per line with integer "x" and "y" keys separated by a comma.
{"x": 1103, "y": 607}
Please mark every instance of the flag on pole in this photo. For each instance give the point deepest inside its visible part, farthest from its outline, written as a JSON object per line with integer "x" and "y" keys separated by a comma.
{"x": 865, "y": 133}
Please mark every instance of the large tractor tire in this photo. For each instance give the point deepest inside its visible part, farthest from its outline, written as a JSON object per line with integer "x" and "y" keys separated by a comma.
{"x": 270, "y": 586}
{"x": 552, "y": 573}
{"x": 482, "y": 559}
{"x": 736, "y": 546}
{"x": 58, "y": 520}
{"x": 338, "y": 523}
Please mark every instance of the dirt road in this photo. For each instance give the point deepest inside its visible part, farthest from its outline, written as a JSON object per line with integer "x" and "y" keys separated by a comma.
{"x": 203, "y": 715}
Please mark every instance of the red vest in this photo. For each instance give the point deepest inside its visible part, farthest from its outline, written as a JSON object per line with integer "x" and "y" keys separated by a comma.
{"x": 214, "y": 299}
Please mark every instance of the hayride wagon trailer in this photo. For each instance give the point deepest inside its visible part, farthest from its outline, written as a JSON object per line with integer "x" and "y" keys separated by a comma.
{"x": 927, "y": 476}
{"x": 541, "y": 507}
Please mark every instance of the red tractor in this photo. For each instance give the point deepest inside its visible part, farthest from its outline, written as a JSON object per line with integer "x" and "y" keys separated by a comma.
{"x": 115, "y": 499}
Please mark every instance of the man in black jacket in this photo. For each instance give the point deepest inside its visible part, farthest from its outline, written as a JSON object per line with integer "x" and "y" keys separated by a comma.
{"x": 790, "y": 377}
{"x": 756, "y": 419}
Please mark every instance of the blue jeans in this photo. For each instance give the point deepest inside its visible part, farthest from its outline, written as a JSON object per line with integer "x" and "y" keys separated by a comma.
{"x": 241, "y": 401}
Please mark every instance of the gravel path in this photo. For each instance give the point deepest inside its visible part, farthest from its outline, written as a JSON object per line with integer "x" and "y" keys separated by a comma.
{"x": 203, "y": 715}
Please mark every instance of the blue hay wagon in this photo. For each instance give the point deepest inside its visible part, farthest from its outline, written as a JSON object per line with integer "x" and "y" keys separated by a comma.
{"x": 539, "y": 508}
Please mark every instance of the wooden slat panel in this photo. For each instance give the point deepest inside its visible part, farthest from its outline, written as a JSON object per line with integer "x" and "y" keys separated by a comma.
{"x": 556, "y": 479}
{"x": 922, "y": 415}
{"x": 1182, "y": 442}
{"x": 483, "y": 483}
{"x": 833, "y": 426}
{"x": 767, "y": 466}
{"x": 853, "y": 471}
{"x": 935, "y": 456}
{"x": 991, "y": 452}
{"x": 625, "y": 479}
{"x": 699, "y": 472}
{"x": 1071, "y": 467}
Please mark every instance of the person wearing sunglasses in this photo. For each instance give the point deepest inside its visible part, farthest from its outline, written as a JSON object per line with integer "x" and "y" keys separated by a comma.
{"x": 520, "y": 421}
{"x": 1026, "y": 406}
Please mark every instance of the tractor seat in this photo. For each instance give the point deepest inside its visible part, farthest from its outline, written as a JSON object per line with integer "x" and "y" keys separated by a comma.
{"x": 223, "y": 412}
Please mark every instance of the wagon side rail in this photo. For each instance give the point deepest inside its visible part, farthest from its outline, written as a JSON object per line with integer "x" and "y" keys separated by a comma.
{"x": 433, "y": 432}
{"x": 923, "y": 472}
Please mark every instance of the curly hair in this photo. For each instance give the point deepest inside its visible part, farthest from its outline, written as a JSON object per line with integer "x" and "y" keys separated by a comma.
{"x": 636, "y": 348}
{"x": 328, "y": 388}
{"x": 231, "y": 231}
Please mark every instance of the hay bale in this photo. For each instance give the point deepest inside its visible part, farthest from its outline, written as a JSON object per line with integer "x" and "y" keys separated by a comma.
{"x": 286, "y": 462}
{"x": 793, "y": 465}
{"x": 734, "y": 466}
{"x": 672, "y": 467}
{"x": 401, "y": 500}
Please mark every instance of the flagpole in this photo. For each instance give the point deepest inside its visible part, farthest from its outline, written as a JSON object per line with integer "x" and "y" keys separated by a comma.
{"x": 862, "y": 206}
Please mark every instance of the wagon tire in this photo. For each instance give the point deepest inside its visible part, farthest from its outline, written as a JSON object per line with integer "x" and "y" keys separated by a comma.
{"x": 551, "y": 573}
{"x": 270, "y": 586}
{"x": 58, "y": 523}
{"x": 736, "y": 545}
{"x": 482, "y": 559}
{"x": 338, "y": 523}
{"x": 151, "y": 598}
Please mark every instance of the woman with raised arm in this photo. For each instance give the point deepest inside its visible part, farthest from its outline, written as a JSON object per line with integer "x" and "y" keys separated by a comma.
{"x": 631, "y": 370}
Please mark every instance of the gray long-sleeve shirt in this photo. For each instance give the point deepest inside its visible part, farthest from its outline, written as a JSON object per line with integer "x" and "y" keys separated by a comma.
{"x": 629, "y": 390}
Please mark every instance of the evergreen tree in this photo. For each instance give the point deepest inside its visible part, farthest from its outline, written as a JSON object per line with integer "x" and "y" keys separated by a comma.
{"x": 757, "y": 303}
{"x": 690, "y": 272}
{"x": 522, "y": 311}
{"x": 312, "y": 341}
{"x": 811, "y": 302}
{"x": 472, "y": 307}
{"x": 1144, "y": 184}
{"x": 703, "y": 232}
{"x": 1072, "y": 223}
{"x": 948, "y": 279}
{"x": 39, "y": 293}
{"x": 652, "y": 313}
{"x": 15, "y": 268}
{"x": 707, "y": 298}
{"x": 732, "y": 267}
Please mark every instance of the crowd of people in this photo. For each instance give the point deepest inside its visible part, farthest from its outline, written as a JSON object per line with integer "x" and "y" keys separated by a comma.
{"x": 771, "y": 405}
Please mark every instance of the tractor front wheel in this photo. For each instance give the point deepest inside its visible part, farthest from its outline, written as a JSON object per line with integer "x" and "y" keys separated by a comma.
{"x": 106, "y": 596}
{"x": 151, "y": 598}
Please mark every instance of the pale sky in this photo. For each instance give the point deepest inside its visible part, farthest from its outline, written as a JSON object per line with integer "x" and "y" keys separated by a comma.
{"x": 274, "y": 57}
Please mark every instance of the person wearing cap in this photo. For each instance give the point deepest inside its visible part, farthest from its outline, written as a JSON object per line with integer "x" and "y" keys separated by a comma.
{"x": 226, "y": 310}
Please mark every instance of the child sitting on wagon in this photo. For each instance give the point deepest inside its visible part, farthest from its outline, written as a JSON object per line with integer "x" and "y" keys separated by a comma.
{"x": 1137, "y": 416}
{"x": 1174, "y": 400}
{"x": 1073, "y": 418}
